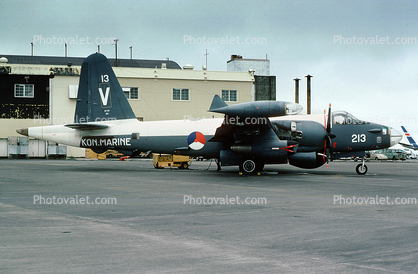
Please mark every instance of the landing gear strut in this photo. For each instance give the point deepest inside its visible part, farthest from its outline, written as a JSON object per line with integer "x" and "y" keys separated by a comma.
{"x": 218, "y": 164}
{"x": 362, "y": 168}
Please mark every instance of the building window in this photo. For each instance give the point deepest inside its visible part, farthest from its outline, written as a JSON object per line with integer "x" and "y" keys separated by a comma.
{"x": 131, "y": 93}
{"x": 24, "y": 90}
{"x": 229, "y": 95}
{"x": 180, "y": 94}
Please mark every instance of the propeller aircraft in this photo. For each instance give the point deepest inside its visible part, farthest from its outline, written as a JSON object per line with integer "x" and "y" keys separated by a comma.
{"x": 249, "y": 136}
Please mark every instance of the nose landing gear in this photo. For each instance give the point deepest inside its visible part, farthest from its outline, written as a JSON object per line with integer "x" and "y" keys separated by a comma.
{"x": 361, "y": 169}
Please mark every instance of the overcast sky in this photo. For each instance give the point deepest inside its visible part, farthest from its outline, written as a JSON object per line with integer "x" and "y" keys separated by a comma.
{"x": 361, "y": 53}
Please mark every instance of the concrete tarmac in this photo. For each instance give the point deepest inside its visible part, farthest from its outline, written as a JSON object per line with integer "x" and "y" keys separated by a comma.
{"x": 80, "y": 216}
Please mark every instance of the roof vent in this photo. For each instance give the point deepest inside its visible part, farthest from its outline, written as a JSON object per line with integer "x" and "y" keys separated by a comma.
{"x": 3, "y": 60}
{"x": 188, "y": 67}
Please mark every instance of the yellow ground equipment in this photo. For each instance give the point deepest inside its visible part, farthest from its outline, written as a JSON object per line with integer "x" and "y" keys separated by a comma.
{"x": 169, "y": 160}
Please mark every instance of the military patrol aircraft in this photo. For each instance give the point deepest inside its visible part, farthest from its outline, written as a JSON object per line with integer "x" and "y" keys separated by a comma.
{"x": 249, "y": 136}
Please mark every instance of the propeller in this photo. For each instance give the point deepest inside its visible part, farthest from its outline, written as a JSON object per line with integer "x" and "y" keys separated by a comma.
{"x": 329, "y": 135}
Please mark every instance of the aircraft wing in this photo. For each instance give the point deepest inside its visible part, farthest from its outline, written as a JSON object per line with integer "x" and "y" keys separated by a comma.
{"x": 247, "y": 129}
{"x": 242, "y": 129}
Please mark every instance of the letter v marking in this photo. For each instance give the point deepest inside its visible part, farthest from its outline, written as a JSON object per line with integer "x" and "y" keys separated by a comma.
{"x": 104, "y": 98}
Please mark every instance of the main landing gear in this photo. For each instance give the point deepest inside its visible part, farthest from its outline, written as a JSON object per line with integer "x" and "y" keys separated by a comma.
{"x": 362, "y": 168}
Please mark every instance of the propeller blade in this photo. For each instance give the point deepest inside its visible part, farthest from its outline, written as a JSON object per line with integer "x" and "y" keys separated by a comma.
{"x": 329, "y": 119}
{"x": 328, "y": 136}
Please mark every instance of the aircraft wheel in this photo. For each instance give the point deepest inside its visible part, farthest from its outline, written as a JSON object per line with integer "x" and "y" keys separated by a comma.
{"x": 250, "y": 166}
{"x": 184, "y": 166}
{"x": 361, "y": 170}
{"x": 157, "y": 167}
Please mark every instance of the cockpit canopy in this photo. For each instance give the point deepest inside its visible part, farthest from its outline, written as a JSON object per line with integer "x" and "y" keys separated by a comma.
{"x": 345, "y": 118}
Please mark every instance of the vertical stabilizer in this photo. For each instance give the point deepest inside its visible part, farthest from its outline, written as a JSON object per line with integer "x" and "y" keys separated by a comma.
{"x": 100, "y": 96}
{"x": 409, "y": 138}
{"x": 217, "y": 102}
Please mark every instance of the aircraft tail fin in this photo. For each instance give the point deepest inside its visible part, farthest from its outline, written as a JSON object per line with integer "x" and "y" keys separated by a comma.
{"x": 100, "y": 96}
{"x": 409, "y": 138}
{"x": 217, "y": 102}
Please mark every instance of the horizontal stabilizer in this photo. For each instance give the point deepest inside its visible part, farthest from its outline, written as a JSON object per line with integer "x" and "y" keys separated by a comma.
{"x": 407, "y": 145}
{"x": 86, "y": 126}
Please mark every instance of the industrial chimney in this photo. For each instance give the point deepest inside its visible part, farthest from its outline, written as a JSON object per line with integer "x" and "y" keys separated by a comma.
{"x": 308, "y": 87}
{"x": 296, "y": 90}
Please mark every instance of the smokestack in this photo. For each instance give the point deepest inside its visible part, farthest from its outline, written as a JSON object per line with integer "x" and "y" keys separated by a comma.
{"x": 308, "y": 108}
{"x": 296, "y": 90}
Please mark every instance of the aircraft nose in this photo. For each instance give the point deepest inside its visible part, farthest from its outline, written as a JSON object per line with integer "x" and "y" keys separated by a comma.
{"x": 23, "y": 131}
{"x": 395, "y": 136}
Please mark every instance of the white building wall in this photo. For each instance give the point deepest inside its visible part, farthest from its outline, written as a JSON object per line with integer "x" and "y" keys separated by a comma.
{"x": 260, "y": 67}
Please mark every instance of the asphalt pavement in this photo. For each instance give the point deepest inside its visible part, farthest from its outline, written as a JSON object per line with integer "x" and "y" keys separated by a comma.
{"x": 81, "y": 216}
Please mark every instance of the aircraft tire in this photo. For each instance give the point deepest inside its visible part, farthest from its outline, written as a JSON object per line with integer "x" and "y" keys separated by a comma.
{"x": 250, "y": 166}
{"x": 361, "y": 170}
{"x": 184, "y": 166}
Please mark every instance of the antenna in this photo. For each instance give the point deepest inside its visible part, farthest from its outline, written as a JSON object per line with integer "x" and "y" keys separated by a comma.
{"x": 206, "y": 58}
{"x": 116, "y": 51}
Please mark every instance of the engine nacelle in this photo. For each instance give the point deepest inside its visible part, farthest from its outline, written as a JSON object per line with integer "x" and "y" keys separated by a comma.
{"x": 309, "y": 134}
{"x": 306, "y": 159}
{"x": 268, "y": 152}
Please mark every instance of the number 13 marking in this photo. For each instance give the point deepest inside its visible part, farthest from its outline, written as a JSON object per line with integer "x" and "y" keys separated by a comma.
{"x": 105, "y": 78}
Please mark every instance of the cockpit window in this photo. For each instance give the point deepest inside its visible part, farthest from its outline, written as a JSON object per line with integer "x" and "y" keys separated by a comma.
{"x": 345, "y": 118}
